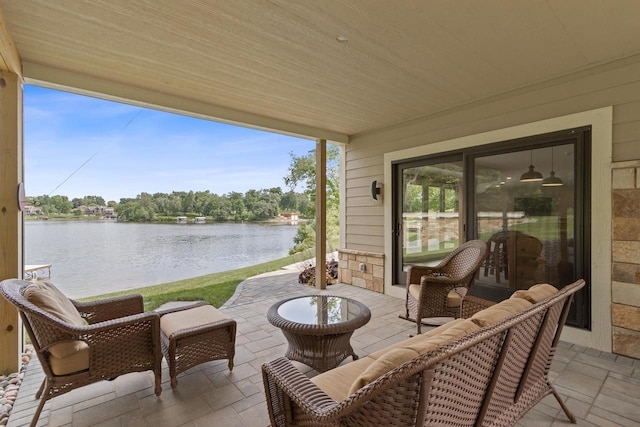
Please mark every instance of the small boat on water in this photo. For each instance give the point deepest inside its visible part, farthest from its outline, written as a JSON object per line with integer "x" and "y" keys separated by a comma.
{"x": 199, "y": 220}
{"x": 181, "y": 219}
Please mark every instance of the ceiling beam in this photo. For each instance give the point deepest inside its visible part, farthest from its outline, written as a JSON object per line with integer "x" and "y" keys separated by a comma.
{"x": 86, "y": 85}
{"x": 9, "y": 58}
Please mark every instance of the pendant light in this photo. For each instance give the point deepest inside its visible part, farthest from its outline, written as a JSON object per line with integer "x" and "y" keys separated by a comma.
{"x": 531, "y": 175}
{"x": 553, "y": 180}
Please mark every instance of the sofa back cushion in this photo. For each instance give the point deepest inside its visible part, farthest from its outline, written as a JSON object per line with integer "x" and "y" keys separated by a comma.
{"x": 386, "y": 363}
{"x": 390, "y": 358}
{"x": 536, "y": 293}
{"x": 48, "y": 297}
{"x": 415, "y": 342}
{"x": 502, "y": 310}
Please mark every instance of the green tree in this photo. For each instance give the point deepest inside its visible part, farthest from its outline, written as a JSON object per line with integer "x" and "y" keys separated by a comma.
{"x": 237, "y": 206}
{"x": 61, "y": 204}
{"x": 93, "y": 200}
{"x": 140, "y": 209}
{"x": 290, "y": 202}
{"x": 302, "y": 172}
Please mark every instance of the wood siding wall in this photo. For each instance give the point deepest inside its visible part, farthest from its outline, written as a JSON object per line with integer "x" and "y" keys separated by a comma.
{"x": 616, "y": 84}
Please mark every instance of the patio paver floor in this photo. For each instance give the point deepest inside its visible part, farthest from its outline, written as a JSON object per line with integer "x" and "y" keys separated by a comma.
{"x": 602, "y": 389}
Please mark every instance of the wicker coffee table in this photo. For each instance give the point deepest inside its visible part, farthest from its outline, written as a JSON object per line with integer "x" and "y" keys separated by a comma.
{"x": 319, "y": 328}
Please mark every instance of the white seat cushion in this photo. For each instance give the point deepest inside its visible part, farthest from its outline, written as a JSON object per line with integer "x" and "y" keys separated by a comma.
{"x": 190, "y": 318}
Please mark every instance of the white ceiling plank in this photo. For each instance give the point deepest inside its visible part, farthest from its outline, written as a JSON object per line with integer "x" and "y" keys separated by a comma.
{"x": 85, "y": 85}
{"x": 279, "y": 60}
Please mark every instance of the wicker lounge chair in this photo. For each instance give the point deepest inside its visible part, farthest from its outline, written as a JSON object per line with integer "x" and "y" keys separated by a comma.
{"x": 110, "y": 337}
{"x": 438, "y": 291}
{"x": 490, "y": 376}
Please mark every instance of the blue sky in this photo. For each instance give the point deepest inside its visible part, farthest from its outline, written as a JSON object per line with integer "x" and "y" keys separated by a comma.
{"x": 134, "y": 150}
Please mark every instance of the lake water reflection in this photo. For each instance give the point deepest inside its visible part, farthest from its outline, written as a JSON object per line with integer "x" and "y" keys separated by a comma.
{"x": 96, "y": 257}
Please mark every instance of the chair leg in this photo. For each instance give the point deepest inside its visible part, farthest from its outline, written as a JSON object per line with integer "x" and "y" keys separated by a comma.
{"x": 564, "y": 407}
{"x": 43, "y": 400}
{"x": 158, "y": 388}
{"x": 39, "y": 393}
{"x": 419, "y": 324}
{"x": 406, "y": 315}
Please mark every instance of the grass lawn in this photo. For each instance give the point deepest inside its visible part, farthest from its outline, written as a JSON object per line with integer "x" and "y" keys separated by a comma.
{"x": 215, "y": 288}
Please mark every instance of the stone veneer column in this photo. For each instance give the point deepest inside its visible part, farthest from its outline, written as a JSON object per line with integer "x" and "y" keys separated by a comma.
{"x": 370, "y": 277}
{"x": 625, "y": 308}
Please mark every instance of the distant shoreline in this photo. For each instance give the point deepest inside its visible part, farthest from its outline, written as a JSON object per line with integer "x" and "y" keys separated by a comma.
{"x": 164, "y": 220}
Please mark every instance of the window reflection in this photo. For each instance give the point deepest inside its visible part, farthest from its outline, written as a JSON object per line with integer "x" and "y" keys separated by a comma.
{"x": 527, "y": 225}
{"x": 430, "y": 226}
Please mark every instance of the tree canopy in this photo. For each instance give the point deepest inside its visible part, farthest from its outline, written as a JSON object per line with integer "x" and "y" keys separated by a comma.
{"x": 302, "y": 172}
{"x": 254, "y": 205}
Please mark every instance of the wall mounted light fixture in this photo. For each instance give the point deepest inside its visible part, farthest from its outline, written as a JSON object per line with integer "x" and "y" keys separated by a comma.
{"x": 375, "y": 190}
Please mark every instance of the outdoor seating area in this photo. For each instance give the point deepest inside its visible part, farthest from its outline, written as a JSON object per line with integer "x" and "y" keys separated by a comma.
{"x": 488, "y": 370}
{"x": 599, "y": 388}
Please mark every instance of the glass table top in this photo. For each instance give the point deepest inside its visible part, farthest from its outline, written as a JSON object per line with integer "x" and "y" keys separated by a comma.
{"x": 320, "y": 310}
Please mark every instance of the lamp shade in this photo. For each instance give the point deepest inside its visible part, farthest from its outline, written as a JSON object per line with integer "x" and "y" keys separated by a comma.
{"x": 531, "y": 175}
{"x": 552, "y": 181}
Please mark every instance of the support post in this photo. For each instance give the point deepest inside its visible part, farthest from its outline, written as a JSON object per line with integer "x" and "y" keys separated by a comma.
{"x": 321, "y": 213}
{"x": 10, "y": 216}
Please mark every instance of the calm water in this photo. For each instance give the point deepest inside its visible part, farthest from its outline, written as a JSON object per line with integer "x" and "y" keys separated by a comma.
{"x": 97, "y": 257}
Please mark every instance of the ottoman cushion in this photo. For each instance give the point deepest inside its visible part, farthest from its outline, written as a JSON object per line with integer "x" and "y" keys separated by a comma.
{"x": 187, "y": 319}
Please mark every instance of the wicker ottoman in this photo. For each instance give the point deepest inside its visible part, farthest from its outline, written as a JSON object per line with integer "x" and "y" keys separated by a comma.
{"x": 196, "y": 335}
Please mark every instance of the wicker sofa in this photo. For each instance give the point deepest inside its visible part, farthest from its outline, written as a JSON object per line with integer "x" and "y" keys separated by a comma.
{"x": 487, "y": 370}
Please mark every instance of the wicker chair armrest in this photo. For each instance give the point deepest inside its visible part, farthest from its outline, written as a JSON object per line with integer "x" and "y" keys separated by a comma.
{"x": 110, "y": 308}
{"x": 103, "y": 333}
{"x": 78, "y": 331}
{"x": 437, "y": 280}
{"x": 415, "y": 272}
{"x": 309, "y": 397}
{"x": 133, "y": 319}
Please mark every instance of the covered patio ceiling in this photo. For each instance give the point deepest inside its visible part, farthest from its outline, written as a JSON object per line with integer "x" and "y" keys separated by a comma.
{"x": 280, "y": 65}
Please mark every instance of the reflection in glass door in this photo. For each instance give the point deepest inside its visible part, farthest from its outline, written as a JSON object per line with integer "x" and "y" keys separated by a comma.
{"x": 524, "y": 203}
{"x": 427, "y": 218}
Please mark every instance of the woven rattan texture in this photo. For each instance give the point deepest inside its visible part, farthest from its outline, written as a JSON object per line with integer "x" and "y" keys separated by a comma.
{"x": 121, "y": 338}
{"x": 460, "y": 384}
{"x": 472, "y": 381}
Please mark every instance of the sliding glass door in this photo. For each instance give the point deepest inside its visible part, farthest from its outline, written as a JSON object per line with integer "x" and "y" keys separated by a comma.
{"x": 528, "y": 199}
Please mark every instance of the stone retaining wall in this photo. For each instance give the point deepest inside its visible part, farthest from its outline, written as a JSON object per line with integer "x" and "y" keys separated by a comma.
{"x": 625, "y": 253}
{"x": 361, "y": 269}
